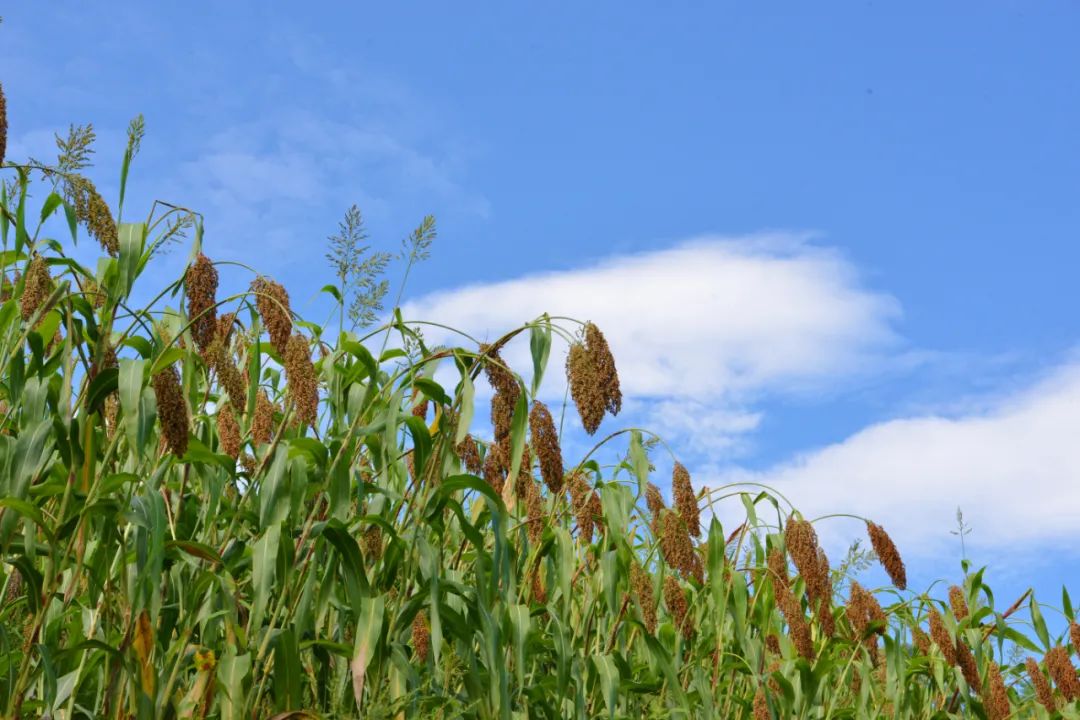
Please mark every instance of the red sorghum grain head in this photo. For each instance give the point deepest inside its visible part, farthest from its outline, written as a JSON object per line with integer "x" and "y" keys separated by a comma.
{"x": 654, "y": 500}
{"x": 888, "y": 555}
{"x": 272, "y": 302}
{"x": 469, "y": 453}
{"x": 421, "y": 636}
{"x": 1062, "y": 670}
{"x": 228, "y": 431}
{"x": 995, "y": 696}
{"x": 200, "y": 286}
{"x": 1042, "y": 688}
{"x": 675, "y": 600}
{"x": 642, "y": 585}
{"x": 303, "y": 385}
{"x": 798, "y": 628}
{"x": 958, "y": 602}
{"x": 38, "y": 287}
{"x": 495, "y": 467}
{"x": 940, "y": 635}
{"x": 172, "y": 410}
{"x": 585, "y": 388}
{"x": 262, "y": 425}
{"x": 685, "y": 500}
{"x": 761, "y": 705}
{"x": 601, "y": 358}
{"x": 545, "y": 443}
{"x": 966, "y": 660}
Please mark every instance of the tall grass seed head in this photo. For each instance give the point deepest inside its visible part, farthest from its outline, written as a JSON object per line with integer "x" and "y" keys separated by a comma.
{"x": 200, "y": 286}
{"x": 1062, "y": 670}
{"x": 272, "y": 302}
{"x": 685, "y": 500}
{"x": 888, "y": 555}
{"x": 545, "y": 443}
{"x": 172, "y": 410}
{"x": 302, "y": 382}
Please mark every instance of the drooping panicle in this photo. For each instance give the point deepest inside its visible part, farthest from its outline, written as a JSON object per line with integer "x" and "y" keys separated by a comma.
{"x": 200, "y": 286}
{"x": 172, "y": 410}
{"x": 685, "y": 500}
{"x": 545, "y": 443}
{"x": 303, "y": 384}
{"x": 272, "y": 302}
{"x": 888, "y": 555}
{"x": 228, "y": 431}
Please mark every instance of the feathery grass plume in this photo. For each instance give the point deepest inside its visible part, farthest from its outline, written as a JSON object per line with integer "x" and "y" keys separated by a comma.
{"x": 272, "y": 302}
{"x": 39, "y": 285}
{"x": 675, "y": 599}
{"x": 966, "y": 660}
{"x": 200, "y": 286}
{"x": 761, "y": 705}
{"x": 228, "y": 431}
{"x": 921, "y": 641}
{"x": 685, "y": 500}
{"x": 421, "y": 636}
{"x": 1062, "y": 670}
{"x": 505, "y": 398}
{"x": 303, "y": 384}
{"x": 1074, "y": 634}
{"x": 1042, "y": 688}
{"x": 654, "y": 500}
{"x": 494, "y": 474}
{"x": 958, "y": 603}
{"x": 604, "y": 362}
{"x": 798, "y": 628}
{"x": 534, "y": 512}
{"x": 373, "y": 545}
{"x": 941, "y": 637}
{"x": 675, "y": 543}
{"x": 3, "y": 125}
{"x": 172, "y": 410}
{"x": 995, "y": 696}
{"x": 585, "y": 387}
{"x": 93, "y": 212}
{"x": 262, "y": 425}
{"x": 545, "y": 443}
{"x": 642, "y": 585}
{"x": 887, "y": 554}
{"x": 778, "y": 568}
{"x": 469, "y": 453}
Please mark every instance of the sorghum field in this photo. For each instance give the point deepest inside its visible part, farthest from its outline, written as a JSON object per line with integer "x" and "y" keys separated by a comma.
{"x": 212, "y": 507}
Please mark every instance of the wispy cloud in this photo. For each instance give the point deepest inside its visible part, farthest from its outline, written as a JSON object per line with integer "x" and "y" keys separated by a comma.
{"x": 1013, "y": 466}
{"x": 701, "y": 330}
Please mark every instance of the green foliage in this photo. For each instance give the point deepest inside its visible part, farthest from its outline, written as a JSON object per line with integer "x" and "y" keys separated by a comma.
{"x": 364, "y": 566}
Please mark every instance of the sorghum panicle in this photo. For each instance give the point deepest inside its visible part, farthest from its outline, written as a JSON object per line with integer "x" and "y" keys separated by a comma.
{"x": 545, "y": 443}
{"x": 272, "y": 302}
{"x": 958, "y": 602}
{"x": 228, "y": 431}
{"x": 1042, "y": 687}
{"x": 303, "y": 385}
{"x": 200, "y": 285}
{"x": 172, "y": 410}
{"x": 685, "y": 500}
{"x": 1062, "y": 670}
{"x": 888, "y": 555}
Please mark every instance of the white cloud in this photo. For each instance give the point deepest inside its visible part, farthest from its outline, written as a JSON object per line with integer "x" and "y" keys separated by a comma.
{"x": 1014, "y": 468}
{"x": 700, "y": 331}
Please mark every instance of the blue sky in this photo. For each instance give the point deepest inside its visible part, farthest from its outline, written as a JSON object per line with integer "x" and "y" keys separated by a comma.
{"x": 834, "y": 250}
